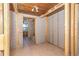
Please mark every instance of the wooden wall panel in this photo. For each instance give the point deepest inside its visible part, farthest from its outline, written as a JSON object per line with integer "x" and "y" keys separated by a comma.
{"x": 1, "y": 27}
{"x": 1, "y": 21}
{"x": 78, "y": 30}
{"x": 6, "y": 30}
{"x": 67, "y": 29}
{"x": 47, "y": 29}
{"x": 76, "y": 27}
{"x": 1, "y": 42}
{"x": 73, "y": 29}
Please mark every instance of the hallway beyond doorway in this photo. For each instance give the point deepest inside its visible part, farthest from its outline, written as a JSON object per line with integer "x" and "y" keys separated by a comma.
{"x": 27, "y": 41}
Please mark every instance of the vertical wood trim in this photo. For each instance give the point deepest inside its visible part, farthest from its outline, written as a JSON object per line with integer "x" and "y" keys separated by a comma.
{"x": 36, "y": 40}
{"x": 46, "y": 35}
{"x": 76, "y": 27}
{"x": 17, "y": 38}
{"x": 6, "y": 30}
{"x": 67, "y": 18}
{"x": 35, "y": 31}
{"x": 28, "y": 26}
{"x": 57, "y": 29}
{"x": 72, "y": 29}
{"x": 1, "y": 27}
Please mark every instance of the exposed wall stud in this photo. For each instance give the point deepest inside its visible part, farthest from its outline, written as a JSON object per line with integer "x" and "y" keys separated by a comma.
{"x": 67, "y": 19}
{"x": 72, "y": 29}
{"x": 6, "y": 30}
{"x": 76, "y": 26}
{"x": 46, "y": 35}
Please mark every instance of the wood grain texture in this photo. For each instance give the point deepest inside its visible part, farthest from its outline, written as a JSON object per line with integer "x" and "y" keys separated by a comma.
{"x": 67, "y": 19}
{"x": 1, "y": 27}
{"x": 76, "y": 28}
{"x": 27, "y": 8}
{"x": 54, "y": 9}
{"x": 6, "y": 30}
{"x": 72, "y": 29}
{"x": 1, "y": 42}
{"x": 46, "y": 35}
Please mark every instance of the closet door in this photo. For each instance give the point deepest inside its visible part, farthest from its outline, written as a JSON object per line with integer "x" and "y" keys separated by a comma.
{"x": 61, "y": 28}
{"x": 43, "y": 28}
{"x": 50, "y": 28}
{"x": 55, "y": 38}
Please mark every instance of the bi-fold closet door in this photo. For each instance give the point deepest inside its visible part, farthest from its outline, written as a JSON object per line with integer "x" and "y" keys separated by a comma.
{"x": 50, "y": 26}
{"x": 61, "y": 28}
{"x": 53, "y": 29}
{"x": 56, "y": 29}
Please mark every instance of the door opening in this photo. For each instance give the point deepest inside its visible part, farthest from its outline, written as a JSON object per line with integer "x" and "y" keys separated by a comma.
{"x": 28, "y": 31}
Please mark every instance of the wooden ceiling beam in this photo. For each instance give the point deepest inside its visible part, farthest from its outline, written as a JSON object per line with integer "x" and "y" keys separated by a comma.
{"x": 15, "y": 7}
{"x": 42, "y": 6}
{"x": 53, "y": 9}
{"x": 26, "y": 7}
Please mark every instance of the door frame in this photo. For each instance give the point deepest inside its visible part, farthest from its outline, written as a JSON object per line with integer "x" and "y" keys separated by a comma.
{"x": 34, "y": 25}
{"x": 66, "y": 26}
{"x": 70, "y": 36}
{"x": 6, "y": 41}
{"x": 76, "y": 29}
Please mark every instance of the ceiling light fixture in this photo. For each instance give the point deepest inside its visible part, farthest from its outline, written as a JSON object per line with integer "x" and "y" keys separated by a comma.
{"x": 35, "y": 8}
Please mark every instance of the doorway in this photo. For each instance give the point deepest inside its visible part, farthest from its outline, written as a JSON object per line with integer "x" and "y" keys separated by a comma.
{"x": 28, "y": 31}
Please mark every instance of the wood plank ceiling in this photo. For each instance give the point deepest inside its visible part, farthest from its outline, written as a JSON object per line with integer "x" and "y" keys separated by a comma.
{"x": 27, "y": 8}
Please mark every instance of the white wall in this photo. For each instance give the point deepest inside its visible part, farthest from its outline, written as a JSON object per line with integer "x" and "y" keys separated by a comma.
{"x": 13, "y": 31}
{"x": 40, "y": 29}
{"x": 56, "y": 29}
{"x": 20, "y": 29}
{"x": 50, "y": 26}
{"x": 40, "y": 26}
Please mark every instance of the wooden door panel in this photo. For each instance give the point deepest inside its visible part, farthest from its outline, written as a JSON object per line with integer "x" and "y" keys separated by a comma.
{"x": 1, "y": 42}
